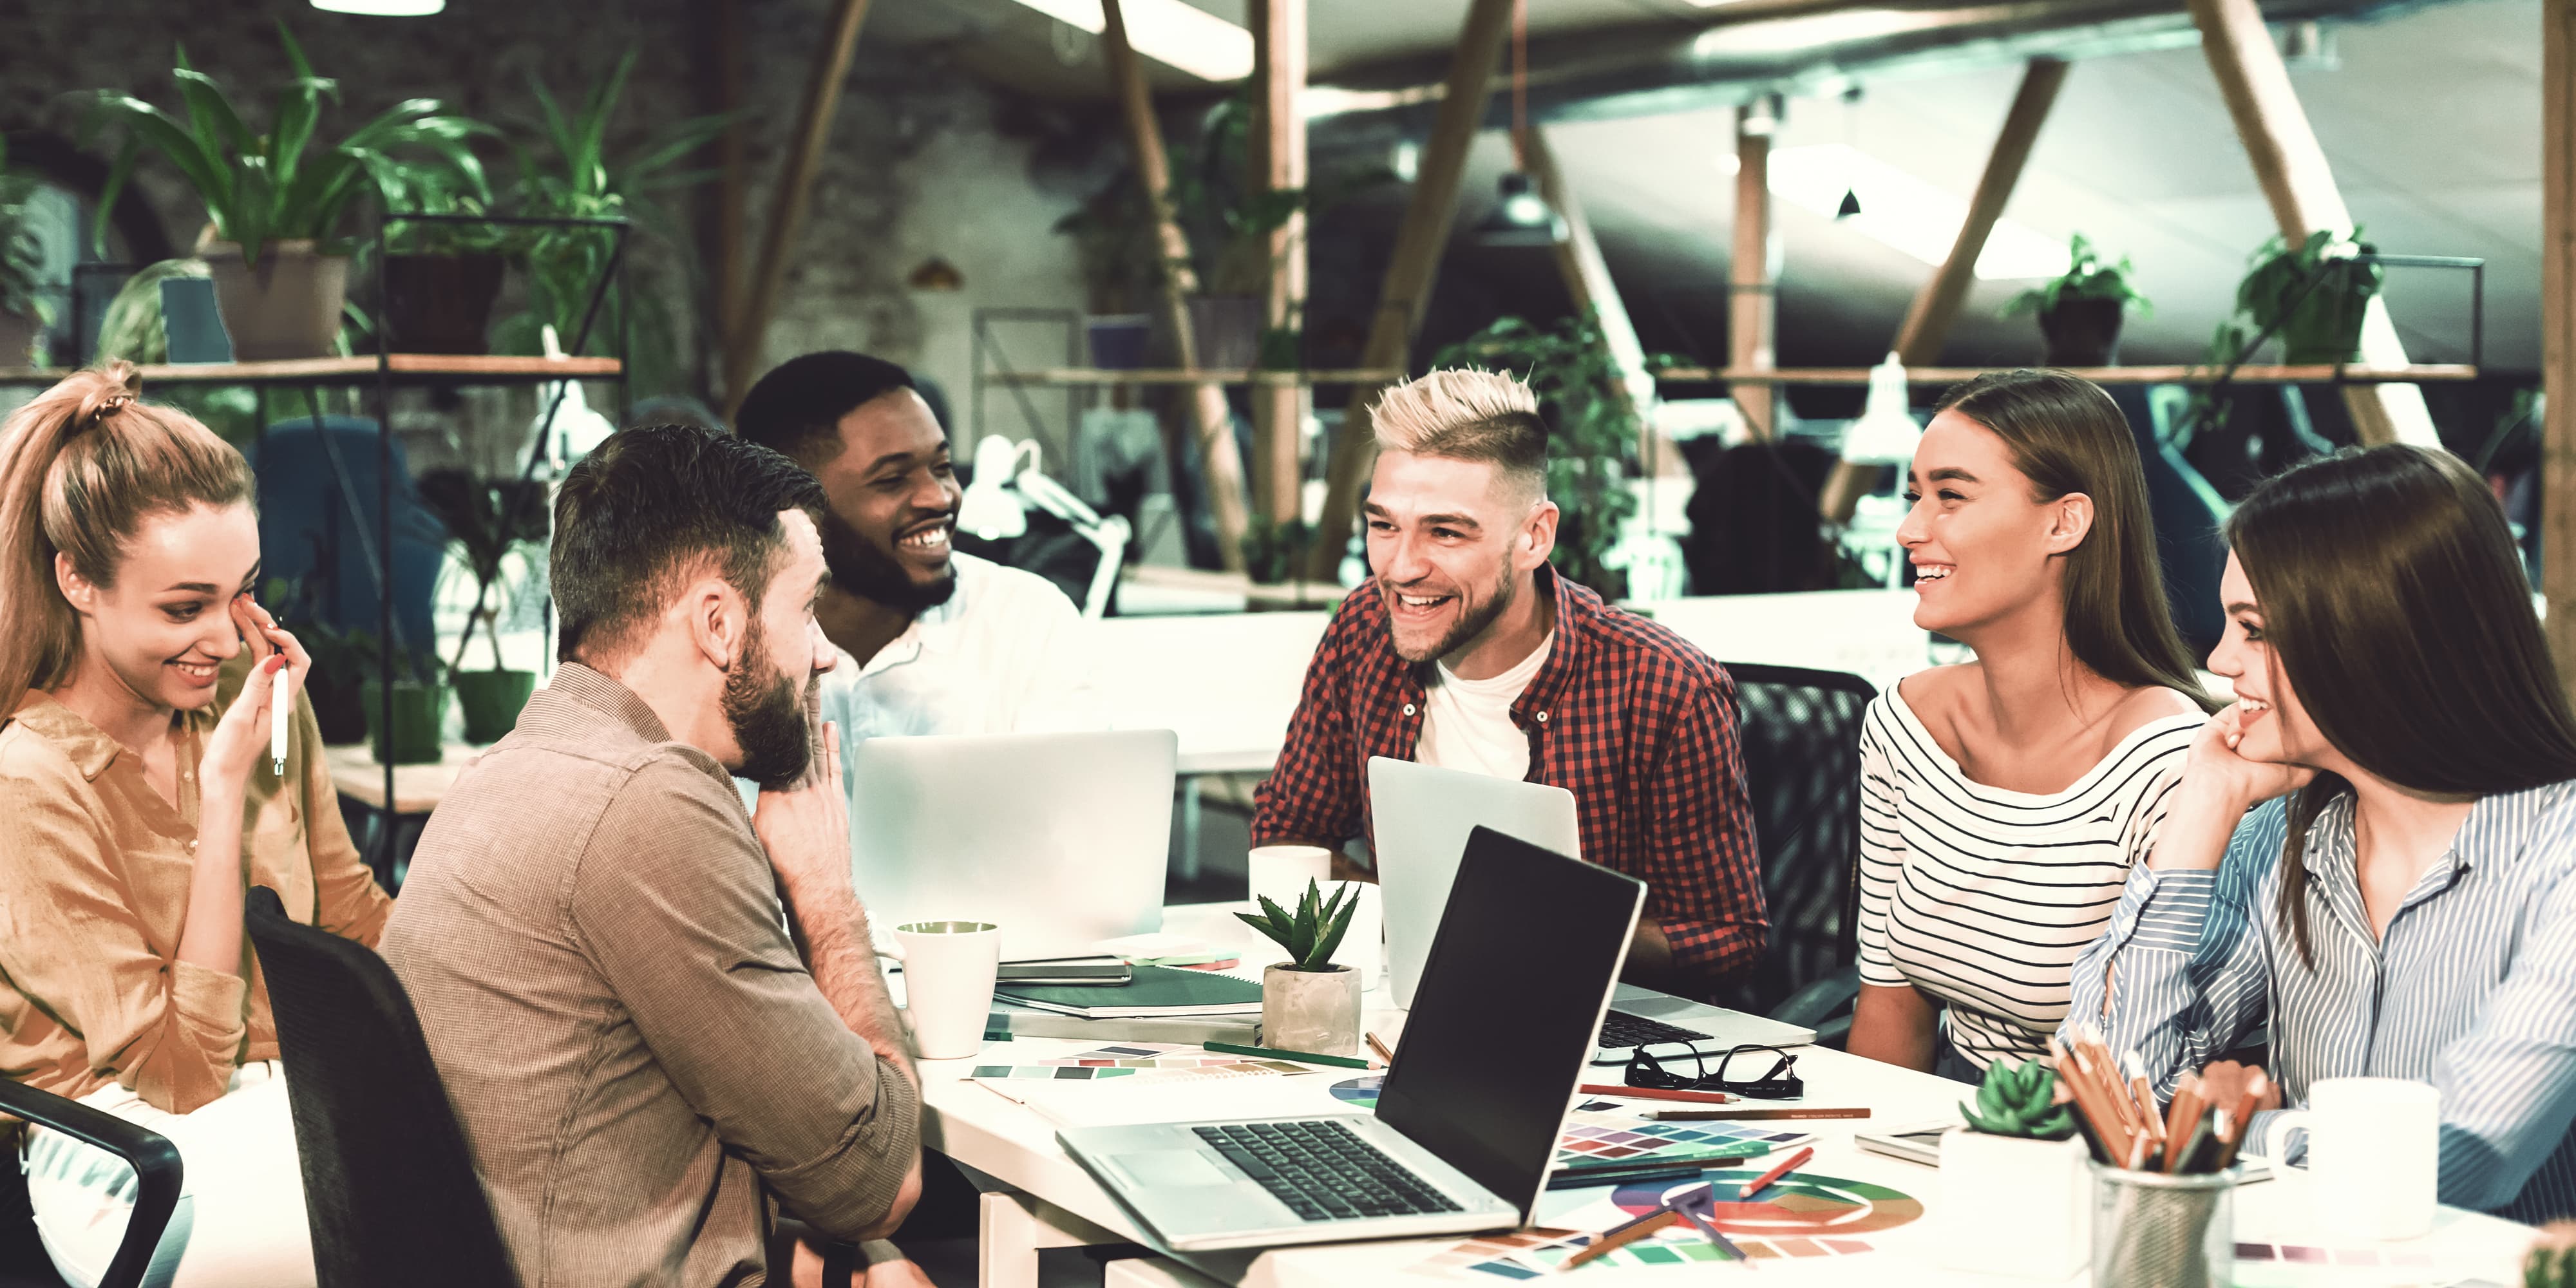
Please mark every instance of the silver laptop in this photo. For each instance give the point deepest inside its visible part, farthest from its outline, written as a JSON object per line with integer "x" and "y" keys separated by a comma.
{"x": 1467, "y": 1119}
{"x": 1421, "y": 817}
{"x": 1061, "y": 839}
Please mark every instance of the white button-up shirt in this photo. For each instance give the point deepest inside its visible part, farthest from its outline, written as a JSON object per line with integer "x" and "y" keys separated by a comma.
{"x": 1008, "y": 653}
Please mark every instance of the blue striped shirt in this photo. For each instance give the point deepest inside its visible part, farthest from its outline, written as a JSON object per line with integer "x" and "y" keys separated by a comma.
{"x": 2473, "y": 989}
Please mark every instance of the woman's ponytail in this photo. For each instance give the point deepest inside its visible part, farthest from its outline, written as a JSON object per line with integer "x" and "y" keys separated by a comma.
{"x": 81, "y": 467}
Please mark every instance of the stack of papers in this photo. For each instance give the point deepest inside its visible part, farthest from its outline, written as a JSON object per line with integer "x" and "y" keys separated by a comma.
{"x": 1156, "y": 992}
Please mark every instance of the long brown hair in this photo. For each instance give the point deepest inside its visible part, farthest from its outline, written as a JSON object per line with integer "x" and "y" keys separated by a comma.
{"x": 2395, "y": 602}
{"x": 2066, "y": 436}
{"x": 81, "y": 468}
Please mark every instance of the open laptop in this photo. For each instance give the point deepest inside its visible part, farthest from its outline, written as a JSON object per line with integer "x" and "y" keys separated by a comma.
{"x": 1467, "y": 1118}
{"x": 1061, "y": 839}
{"x": 1421, "y": 817}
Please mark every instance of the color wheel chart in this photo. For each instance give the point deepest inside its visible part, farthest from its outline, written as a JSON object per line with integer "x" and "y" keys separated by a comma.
{"x": 1803, "y": 1217}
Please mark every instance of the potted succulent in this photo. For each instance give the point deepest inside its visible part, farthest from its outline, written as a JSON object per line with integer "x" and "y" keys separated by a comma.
{"x": 2081, "y": 309}
{"x": 489, "y": 521}
{"x": 2014, "y": 1181}
{"x": 1308, "y": 1003}
{"x": 24, "y": 310}
{"x": 275, "y": 204}
{"x": 2551, "y": 1263}
{"x": 2314, "y": 297}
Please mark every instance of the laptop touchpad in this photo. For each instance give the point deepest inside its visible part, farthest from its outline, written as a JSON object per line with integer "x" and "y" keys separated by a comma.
{"x": 1171, "y": 1167}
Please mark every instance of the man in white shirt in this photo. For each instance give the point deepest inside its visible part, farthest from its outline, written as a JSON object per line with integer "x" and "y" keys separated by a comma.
{"x": 932, "y": 641}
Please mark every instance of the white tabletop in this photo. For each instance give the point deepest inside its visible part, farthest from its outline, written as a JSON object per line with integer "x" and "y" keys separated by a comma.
{"x": 981, "y": 1128}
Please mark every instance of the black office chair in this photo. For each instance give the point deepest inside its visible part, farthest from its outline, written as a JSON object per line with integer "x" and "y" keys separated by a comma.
{"x": 389, "y": 1185}
{"x": 23, "y": 1263}
{"x": 1800, "y": 731}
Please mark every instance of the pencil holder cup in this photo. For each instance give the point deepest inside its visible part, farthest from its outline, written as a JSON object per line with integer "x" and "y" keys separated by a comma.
{"x": 2013, "y": 1206}
{"x": 2172, "y": 1230}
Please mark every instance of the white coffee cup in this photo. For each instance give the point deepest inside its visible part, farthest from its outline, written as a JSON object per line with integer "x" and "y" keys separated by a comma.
{"x": 1280, "y": 872}
{"x": 2374, "y": 1155}
{"x": 948, "y": 970}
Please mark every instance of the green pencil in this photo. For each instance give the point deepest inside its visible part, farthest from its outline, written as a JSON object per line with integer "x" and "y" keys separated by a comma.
{"x": 1302, "y": 1057}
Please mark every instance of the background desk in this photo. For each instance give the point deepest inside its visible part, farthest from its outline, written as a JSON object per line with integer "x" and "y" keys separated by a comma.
{"x": 1058, "y": 1204}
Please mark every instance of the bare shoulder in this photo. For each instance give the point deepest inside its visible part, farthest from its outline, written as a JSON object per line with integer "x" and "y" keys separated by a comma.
{"x": 2144, "y": 706}
{"x": 1939, "y": 690}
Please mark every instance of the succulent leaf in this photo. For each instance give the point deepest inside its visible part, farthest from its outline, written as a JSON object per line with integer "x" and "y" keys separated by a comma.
{"x": 2016, "y": 1099}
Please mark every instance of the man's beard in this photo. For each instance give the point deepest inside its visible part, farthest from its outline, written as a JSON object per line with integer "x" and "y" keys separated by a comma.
{"x": 1471, "y": 622}
{"x": 766, "y": 712}
{"x": 869, "y": 571}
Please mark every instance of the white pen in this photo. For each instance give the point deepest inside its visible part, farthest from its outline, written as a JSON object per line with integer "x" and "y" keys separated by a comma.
{"x": 281, "y": 701}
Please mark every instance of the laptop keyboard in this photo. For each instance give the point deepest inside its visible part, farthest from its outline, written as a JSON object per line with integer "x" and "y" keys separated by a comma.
{"x": 1620, "y": 1029}
{"x": 1323, "y": 1171}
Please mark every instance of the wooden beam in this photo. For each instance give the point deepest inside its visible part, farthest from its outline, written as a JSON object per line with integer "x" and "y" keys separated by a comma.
{"x": 1220, "y": 464}
{"x": 787, "y": 204}
{"x": 2291, "y": 168}
{"x": 1412, "y": 270}
{"x": 733, "y": 169}
{"x": 1936, "y": 306}
{"x": 1588, "y": 282}
{"x": 1279, "y": 411}
{"x": 1752, "y": 294}
{"x": 2558, "y": 330}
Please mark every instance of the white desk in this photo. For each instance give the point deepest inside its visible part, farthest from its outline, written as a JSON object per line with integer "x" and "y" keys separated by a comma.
{"x": 1058, "y": 1204}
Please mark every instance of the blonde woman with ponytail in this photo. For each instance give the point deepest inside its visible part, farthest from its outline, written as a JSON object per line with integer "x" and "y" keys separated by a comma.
{"x": 137, "y": 806}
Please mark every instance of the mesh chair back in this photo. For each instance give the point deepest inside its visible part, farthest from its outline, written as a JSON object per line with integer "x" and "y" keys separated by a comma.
{"x": 158, "y": 1174}
{"x": 389, "y": 1185}
{"x": 1800, "y": 731}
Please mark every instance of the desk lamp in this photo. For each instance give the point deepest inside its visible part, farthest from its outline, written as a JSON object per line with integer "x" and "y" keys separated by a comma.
{"x": 996, "y": 507}
{"x": 1885, "y": 434}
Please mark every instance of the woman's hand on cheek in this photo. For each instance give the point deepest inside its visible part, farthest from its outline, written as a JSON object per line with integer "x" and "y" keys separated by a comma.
{"x": 2216, "y": 768}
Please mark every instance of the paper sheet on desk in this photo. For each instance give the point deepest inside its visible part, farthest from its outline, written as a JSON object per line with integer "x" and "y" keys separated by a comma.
{"x": 1129, "y": 1102}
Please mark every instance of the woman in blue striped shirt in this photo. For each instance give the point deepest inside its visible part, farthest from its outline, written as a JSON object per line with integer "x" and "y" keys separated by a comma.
{"x": 2403, "y": 902}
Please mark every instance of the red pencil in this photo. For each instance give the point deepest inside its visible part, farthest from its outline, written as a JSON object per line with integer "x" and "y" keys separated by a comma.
{"x": 1786, "y": 1166}
{"x": 1656, "y": 1093}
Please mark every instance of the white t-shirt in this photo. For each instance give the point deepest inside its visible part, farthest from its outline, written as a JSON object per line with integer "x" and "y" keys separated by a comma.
{"x": 1008, "y": 653}
{"x": 1467, "y": 724}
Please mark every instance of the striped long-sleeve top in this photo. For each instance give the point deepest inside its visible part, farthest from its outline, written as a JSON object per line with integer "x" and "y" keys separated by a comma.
{"x": 2472, "y": 989}
{"x": 1982, "y": 897}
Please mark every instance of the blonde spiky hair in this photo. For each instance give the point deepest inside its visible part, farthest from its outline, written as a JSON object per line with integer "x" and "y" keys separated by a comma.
{"x": 1467, "y": 415}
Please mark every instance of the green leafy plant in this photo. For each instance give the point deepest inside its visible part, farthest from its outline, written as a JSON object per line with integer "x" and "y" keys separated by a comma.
{"x": 22, "y": 260}
{"x": 2088, "y": 276}
{"x": 2312, "y": 297}
{"x": 2018, "y": 1099}
{"x": 426, "y": 191}
{"x": 1273, "y": 549}
{"x": 2551, "y": 1262}
{"x": 1594, "y": 438}
{"x": 489, "y": 520}
{"x": 276, "y": 186}
{"x": 576, "y": 175}
{"x": 1314, "y": 931}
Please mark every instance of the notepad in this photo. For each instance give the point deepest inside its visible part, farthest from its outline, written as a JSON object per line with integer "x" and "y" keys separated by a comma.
{"x": 1156, "y": 991}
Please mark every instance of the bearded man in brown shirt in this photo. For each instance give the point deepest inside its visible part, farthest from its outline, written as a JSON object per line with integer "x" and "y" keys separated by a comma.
{"x": 648, "y": 1066}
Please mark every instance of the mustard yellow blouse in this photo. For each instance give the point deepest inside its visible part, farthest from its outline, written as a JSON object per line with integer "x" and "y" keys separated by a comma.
{"x": 94, "y": 874}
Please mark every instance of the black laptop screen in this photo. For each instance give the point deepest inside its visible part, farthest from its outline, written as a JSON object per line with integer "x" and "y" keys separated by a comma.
{"x": 1502, "y": 1024}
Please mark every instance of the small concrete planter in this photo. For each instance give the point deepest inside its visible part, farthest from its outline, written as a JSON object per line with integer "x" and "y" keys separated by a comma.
{"x": 2015, "y": 1206}
{"x": 1316, "y": 1011}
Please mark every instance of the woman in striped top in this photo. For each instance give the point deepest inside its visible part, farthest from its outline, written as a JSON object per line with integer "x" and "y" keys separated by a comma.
{"x": 2003, "y": 800}
{"x": 2409, "y": 910}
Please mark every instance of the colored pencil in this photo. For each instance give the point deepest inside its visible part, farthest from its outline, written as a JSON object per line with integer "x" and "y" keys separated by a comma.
{"x": 1302, "y": 1057}
{"x": 1378, "y": 1045}
{"x": 2256, "y": 1084}
{"x": 2146, "y": 1096}
{"x": 1575, "y": 1178}
{"x": 1786, "y": 1166}
{"x": 1622, "y": 1236}
{"x": 1655, "y": 1093}
{"x": 1746, "y": 1115}
{"x": 2075, "y": 1072}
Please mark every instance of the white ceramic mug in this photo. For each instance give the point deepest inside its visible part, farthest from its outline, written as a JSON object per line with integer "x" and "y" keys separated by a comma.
{"x": 2374, "y": 1155}
{"x": 1280, "y": 872}
{"x": 948, "y": 970}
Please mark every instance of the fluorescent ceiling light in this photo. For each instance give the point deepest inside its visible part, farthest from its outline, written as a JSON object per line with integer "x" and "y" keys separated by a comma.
{"x": 1902, "y": 211}
{"x": 1167, "y": 31}
{"x": 382, "y": 8}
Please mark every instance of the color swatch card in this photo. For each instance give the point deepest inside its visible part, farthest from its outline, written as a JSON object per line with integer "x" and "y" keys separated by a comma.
{"x": 1600, "y": 1135}
{"x": 1159, "y": 1061}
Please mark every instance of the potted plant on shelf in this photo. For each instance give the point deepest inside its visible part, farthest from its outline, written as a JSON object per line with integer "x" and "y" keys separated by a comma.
{"x": 2015, "y": 1187}
{"x": 440, "y": 277}
{"x": 420, "y": 707}
{"x": 579, "y": 176}
{"x": 1308, "y": 1003}
{"x": 2314, "y": 297}
{"x": 341, "y": 660}
{"x": 276, "y": 205}
{"x": 489, "y": 521}
{"x": 1595, "y": 434}
{"x": 24, "y": 310}
{"x": 2081, "y": 309}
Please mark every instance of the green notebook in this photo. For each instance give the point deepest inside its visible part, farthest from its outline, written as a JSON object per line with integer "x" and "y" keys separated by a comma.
{"x": 1156, "y": 991}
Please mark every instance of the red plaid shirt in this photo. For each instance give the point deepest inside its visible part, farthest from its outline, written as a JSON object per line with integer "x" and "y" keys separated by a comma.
{"x": 1634, "y": 720}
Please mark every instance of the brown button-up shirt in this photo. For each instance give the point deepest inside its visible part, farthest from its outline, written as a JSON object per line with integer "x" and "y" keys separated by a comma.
{"x": 591, "y": 935}
{"x": 94, "y": 873}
